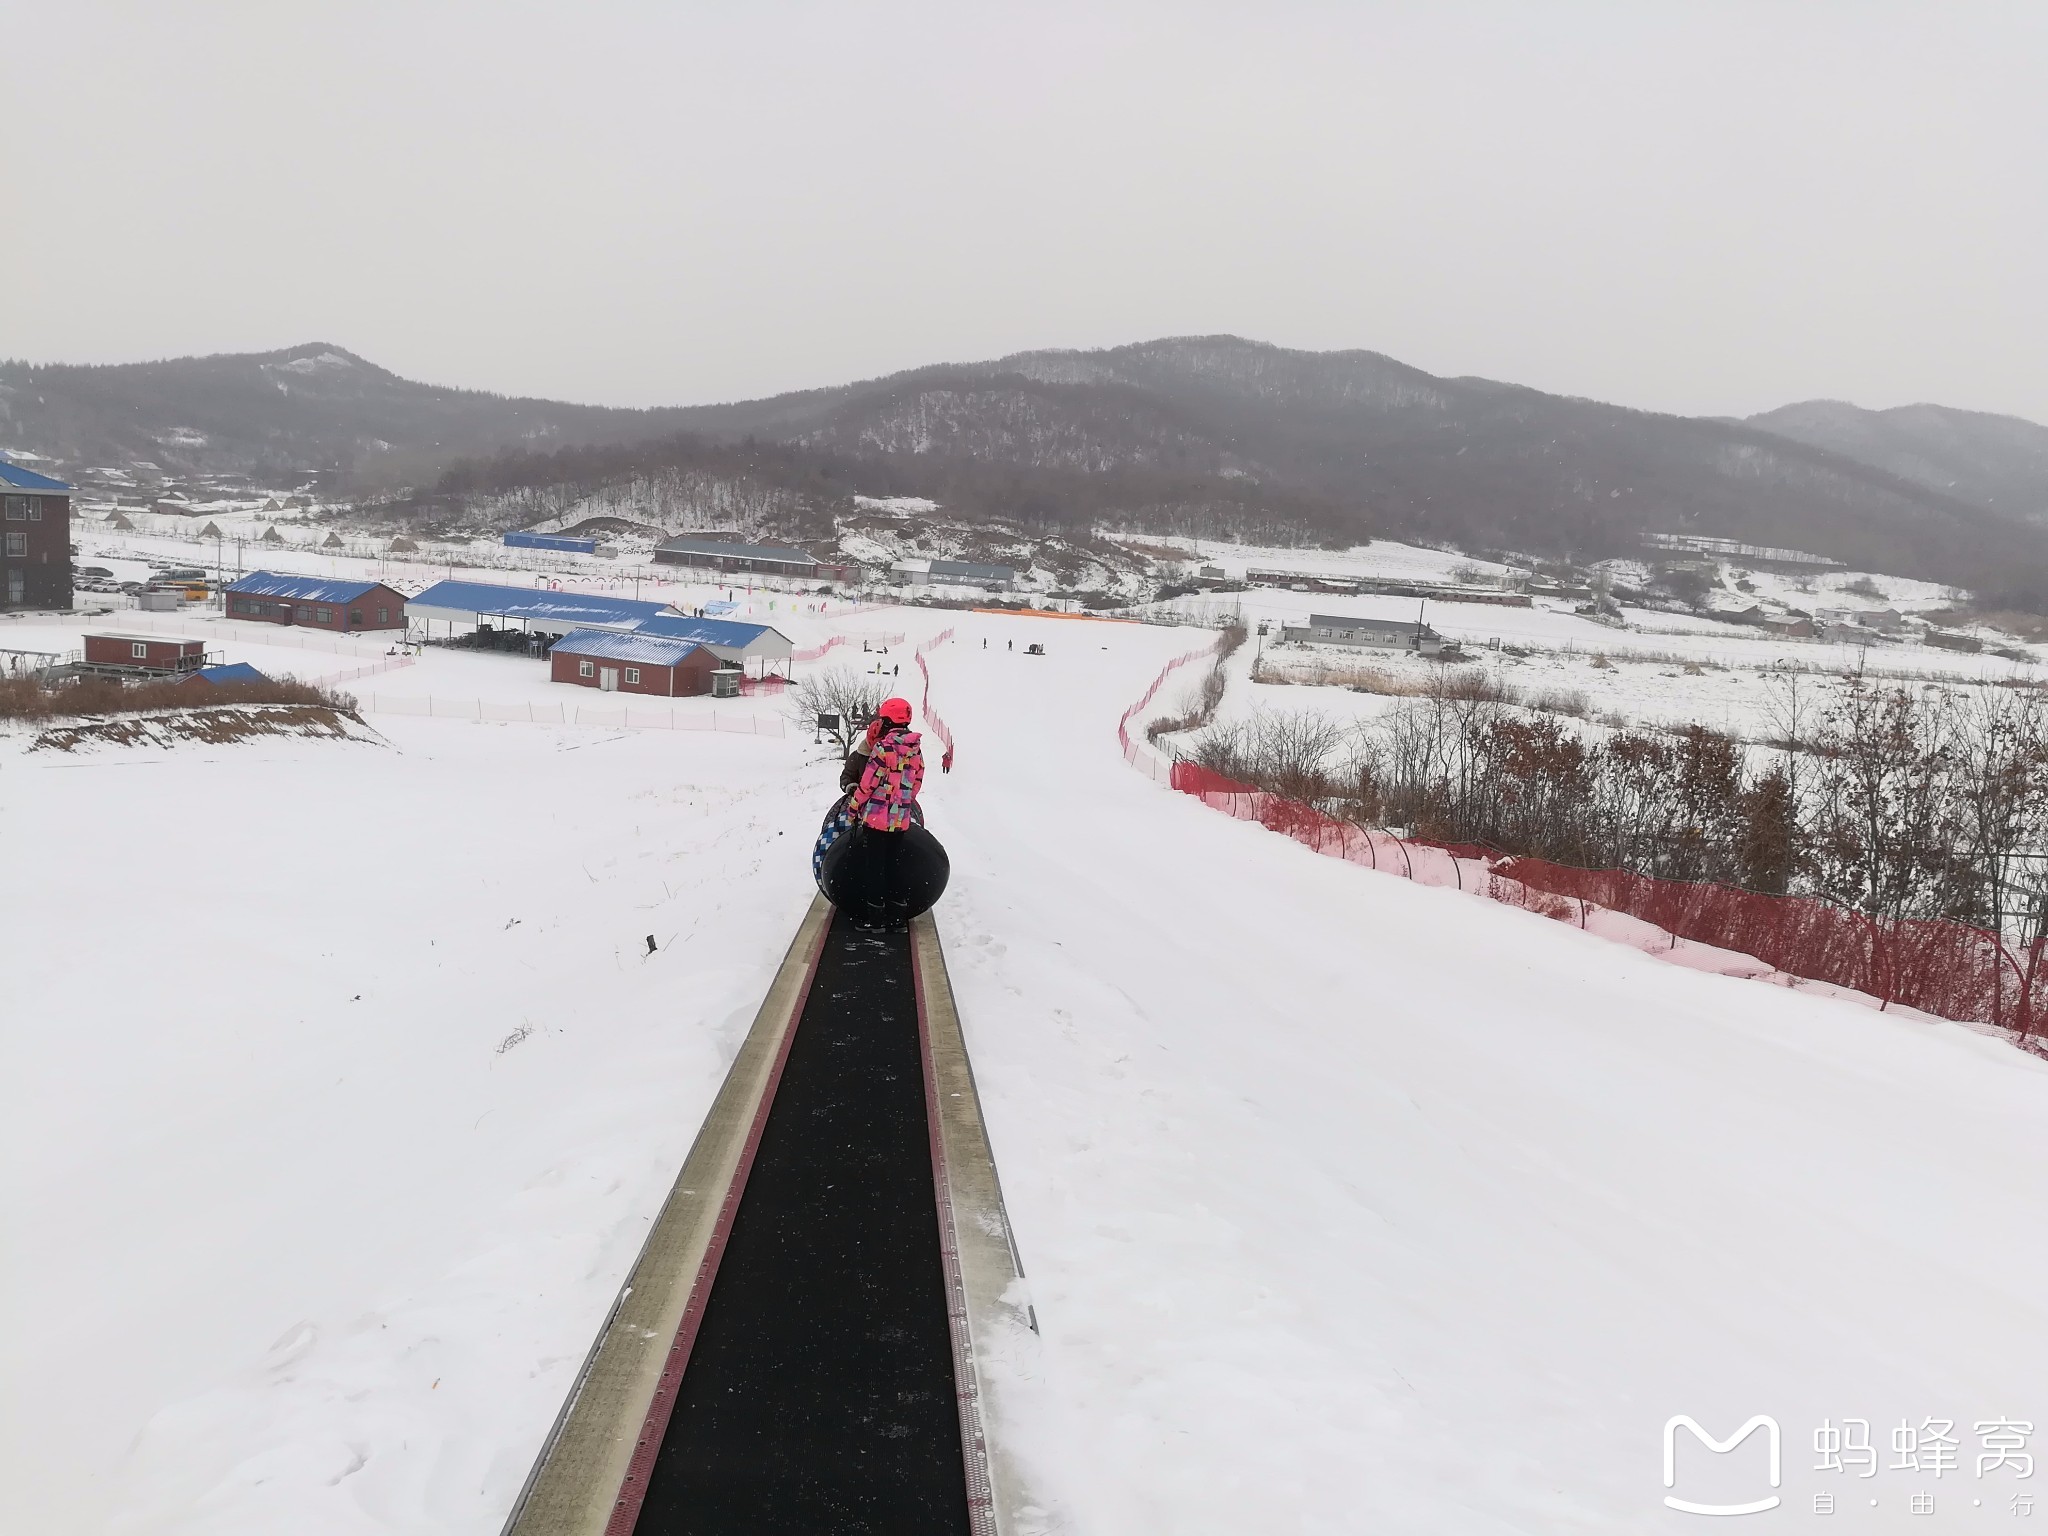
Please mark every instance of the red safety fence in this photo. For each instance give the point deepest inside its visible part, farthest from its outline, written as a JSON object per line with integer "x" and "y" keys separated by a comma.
{"x": 1951, "y": 970}
{"x": 812, "y": 653}
{"x": 933, "y": 725}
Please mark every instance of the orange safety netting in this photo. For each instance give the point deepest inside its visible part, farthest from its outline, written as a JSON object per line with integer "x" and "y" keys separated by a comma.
{"x": 1949, "y": 969}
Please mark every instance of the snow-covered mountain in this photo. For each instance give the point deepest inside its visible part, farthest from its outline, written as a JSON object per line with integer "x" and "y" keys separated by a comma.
{"x": 1207, "y": 434}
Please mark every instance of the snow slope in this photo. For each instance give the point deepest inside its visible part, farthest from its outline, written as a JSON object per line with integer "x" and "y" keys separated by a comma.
{"x": 1347, "y": 1205}
{"x": 338, "y": 1095}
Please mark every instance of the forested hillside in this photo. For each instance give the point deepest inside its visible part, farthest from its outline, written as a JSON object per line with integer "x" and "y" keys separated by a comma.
{"x": 1213, "y": 435}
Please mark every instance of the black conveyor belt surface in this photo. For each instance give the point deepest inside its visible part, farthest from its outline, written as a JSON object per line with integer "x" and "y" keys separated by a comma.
{"x": 819, "y": 1394}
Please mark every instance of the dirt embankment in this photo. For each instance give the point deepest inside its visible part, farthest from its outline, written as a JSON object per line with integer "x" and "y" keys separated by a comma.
{"x": 209, "y": 725}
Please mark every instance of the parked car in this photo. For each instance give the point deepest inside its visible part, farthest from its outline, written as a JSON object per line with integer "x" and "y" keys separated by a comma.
{"x": 94, "y": 570}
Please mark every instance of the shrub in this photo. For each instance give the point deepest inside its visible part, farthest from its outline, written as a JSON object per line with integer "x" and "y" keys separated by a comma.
{"x": 91, "y": 697}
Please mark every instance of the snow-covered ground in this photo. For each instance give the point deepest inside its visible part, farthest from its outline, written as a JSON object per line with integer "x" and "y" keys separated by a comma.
{"x": 1381, "y": 557}
{"x": 340, "y": 1087}
{"x": 366, "y": 666}
{"x": 340, "y": 1095}
{"x": 1554, "y": 627}
{"x": 1681, "y": 672}
{"x": 130, "y": 555}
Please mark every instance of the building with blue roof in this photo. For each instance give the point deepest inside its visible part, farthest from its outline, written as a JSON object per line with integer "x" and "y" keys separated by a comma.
{"x": 35, "y": 539}
{"x": 14, "y": 477}
{"x": 228, "y": 672}
{"x": 468, "y": 606}
{"x": 560, "y": 543}
{"x": 631, "y": 662}
{"x": 732, "y": 641}
{"x": 316, "y": 602}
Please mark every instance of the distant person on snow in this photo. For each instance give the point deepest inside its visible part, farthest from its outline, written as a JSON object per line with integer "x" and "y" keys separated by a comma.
{"x": 885, "y": 799}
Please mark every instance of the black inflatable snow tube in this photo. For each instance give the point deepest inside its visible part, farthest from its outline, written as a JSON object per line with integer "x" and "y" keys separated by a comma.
{"x": 884, "y": 879}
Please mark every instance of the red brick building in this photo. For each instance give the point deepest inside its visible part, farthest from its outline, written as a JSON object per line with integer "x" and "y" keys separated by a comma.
{"x": 35, "y": 539}
{"x": 315, "y": 602}
{"x": 594, "y": 658}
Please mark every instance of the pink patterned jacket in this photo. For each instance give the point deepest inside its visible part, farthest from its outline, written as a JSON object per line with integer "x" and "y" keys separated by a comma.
{"x": 888, "y": 787}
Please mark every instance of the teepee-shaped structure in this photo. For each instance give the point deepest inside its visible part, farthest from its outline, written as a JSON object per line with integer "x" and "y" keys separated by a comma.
{"x": 332, "y": 541}
{"x": 272, "y": 536}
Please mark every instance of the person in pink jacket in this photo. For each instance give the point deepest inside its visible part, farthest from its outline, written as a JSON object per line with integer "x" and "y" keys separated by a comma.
{"x": 885, "y": 800}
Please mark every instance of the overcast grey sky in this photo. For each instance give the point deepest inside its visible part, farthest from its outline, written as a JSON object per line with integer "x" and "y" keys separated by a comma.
{"x": 1707, "y": 207}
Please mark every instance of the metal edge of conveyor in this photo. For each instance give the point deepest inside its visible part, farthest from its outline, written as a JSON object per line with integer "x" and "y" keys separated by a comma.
{"x": 578, "y": 1483}
{"x": 989, "y": 1314}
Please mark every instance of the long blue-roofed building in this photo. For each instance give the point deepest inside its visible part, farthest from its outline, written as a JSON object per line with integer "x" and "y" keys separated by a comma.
{"x": 448, "y": 608}
{"x": 315, "y": 602}
{"x": 537, "y": 619}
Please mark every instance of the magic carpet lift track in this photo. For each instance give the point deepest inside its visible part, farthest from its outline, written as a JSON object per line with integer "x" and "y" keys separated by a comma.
{"x": 811, "y": 1408}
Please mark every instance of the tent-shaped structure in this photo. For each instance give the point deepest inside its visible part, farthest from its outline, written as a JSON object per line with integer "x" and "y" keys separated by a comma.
{"x": 229, "y": 672}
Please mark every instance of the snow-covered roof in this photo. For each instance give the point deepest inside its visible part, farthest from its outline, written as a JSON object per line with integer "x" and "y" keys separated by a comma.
{"x": 1384, "y": 626}
{"x": 304, "y": 589}
{"x": 719, "y": 634}
{"x": 679, "y": 626}
{"x": 687, "y": 544}
{"x": 972, "y": 571}
{"x": 571, "y": 610}
{"x": 15, "y": 478}
{"x": 644, "y": 649}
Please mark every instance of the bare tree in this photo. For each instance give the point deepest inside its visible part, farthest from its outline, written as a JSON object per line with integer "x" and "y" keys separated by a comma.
{"x": 848, "y": 697}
